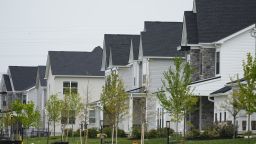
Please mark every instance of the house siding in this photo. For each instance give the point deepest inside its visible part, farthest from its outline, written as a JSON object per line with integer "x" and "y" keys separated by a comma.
{"x": 55, "y": 86}
{"x": 157, "y": 67}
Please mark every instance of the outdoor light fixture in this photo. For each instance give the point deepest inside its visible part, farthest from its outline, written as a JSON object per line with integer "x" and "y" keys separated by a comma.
{"x": 101, "y": 123}
{"x": 168, "y": 129}
{"x": 168, "y": 124}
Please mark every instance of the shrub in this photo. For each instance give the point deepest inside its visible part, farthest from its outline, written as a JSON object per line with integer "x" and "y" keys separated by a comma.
{"x": 211, "y": 132}
{"x": 107, "y": 131}
{"x": 136, "y": 133}
{"x": 152, "y": 134}
{"x": 226, "y": 130}
{"x": 121, "y": 133}
{"x": 92, "y": 133}
{"x": 193, "y": 134}
{"x": 162, "y": 132}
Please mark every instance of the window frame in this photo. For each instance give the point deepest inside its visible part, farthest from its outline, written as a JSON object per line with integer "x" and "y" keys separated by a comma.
{"x": 92, "y": 117}
{"x": 69, "y": 87}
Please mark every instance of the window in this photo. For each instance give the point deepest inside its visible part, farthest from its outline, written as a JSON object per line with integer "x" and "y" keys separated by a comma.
{"x": 217, "y": 63}
{"x": 253, "y": 123}
{"x": 243, "y": 125}
{"x": 220, "y": 117}
{"x": 24, "y": 97}
{"x": 201, "y": 63}
{"x": 4, "y": 101}
{"x": 70, "y": 87}
{"x": 92, "y": 118}
{"x": 216, "y": 120}
{"x": 225, "y": 116}
{"x": 134, "y": 81}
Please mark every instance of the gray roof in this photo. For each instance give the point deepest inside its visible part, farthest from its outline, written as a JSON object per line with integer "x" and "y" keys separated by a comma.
{"x": 23, "y": 77}
{"x": 76, "y": 63}
{"x": 222, "y": 90}
{"x": 217, "y": 19}
{"x": 41, "y": 72}
{"x": 7, "y": 82}
{"x": 119, "y": 45}
{"x": 191, "y": 27}
{"x": 136, "y": 45}
{"x": 151, "y": 26}
{"x": 162, "y": 43}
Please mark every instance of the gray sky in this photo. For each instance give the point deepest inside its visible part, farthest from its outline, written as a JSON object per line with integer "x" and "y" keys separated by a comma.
{"x": 30, "y": 28}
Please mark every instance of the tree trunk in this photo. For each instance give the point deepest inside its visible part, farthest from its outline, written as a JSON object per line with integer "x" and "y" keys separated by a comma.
{"x": 86, "y": 138}
{"x": 248, "y": 124}
{"x": 113, "y": 132}
{"x": 53, "y": 128}
{"x": 116, "y": 133}
{"x": 81, "y": 140}
{"x": 184, "y": 128}
{"x": 27, "y": 135}
{"x": 234, "y": 127}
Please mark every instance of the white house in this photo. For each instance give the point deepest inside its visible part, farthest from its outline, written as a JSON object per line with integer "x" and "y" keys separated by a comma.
{"x": 158, "y": 43}
{"x": 116, "y": 49}
{"x": 79, "y": 72}
{"x": 217, "y": 35}
{"x": 20, "y": 84}
{"x": 41, "y": 88}
{"x": 140, "y": 61}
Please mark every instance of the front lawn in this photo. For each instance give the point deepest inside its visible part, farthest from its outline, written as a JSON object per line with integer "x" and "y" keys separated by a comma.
{"x": 43, "y": 140}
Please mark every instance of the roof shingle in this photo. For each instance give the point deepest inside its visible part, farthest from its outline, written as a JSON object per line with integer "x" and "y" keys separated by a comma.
{"x": 7, "y": 82}
{"x": 119, "y": 45}
{"x": 217, "y": 19}
{"x": 76, "y": 63}
{"x": 23, "y": 77}
{"x": 162, "y": 43}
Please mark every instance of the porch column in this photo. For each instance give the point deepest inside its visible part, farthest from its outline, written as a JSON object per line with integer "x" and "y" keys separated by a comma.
{"x": 200, "y": 113}
{"x": 130, "y": 114}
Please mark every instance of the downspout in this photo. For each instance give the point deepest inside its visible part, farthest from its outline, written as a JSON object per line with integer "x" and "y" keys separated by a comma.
{"x": 209, "y": 99}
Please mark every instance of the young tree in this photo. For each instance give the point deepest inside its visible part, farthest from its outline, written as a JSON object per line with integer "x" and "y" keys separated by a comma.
{"x": 247, "y": 89}
{"x": 17, "y": 109}
{"x": 114, "y": 101}
{"x": 7, "y": 120}
{"x": 76, "y": 106}
{"x": 30, "y": 116}
{"x": 53, "y": 108}
{"x": 175, "y": 95}
{"x": 232, "y": 105}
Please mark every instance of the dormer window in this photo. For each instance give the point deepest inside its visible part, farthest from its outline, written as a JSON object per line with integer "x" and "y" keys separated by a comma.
{"x": 217, "y": 63}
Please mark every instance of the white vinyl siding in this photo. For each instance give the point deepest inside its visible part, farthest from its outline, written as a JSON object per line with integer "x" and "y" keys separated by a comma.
{"x": 156, "y": 69}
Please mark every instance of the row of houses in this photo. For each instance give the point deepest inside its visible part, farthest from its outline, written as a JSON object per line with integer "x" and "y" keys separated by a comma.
{"x": 214, "y": 38}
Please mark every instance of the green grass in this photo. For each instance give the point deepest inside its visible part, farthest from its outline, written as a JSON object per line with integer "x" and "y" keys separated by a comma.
{"x": 43, "y": 140}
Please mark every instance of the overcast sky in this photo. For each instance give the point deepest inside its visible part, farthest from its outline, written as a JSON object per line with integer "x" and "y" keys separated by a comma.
{"x": 30, "y": 28}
